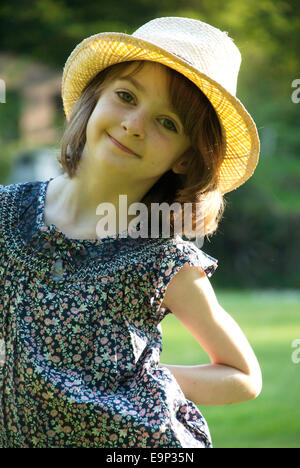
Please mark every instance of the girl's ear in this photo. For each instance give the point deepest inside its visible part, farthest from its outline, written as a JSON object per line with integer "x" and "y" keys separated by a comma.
{"x": 180, "y": 166}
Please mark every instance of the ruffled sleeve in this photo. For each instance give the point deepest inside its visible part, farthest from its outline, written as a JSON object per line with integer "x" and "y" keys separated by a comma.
{"x": 2, "y": 194}
{"x": 169, "y": 260}
{"x": 1, "y": 202}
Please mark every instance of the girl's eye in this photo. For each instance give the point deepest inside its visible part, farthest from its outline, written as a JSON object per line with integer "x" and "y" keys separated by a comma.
{"x": 126, "y": 94}
{"x": 170, "y": 125}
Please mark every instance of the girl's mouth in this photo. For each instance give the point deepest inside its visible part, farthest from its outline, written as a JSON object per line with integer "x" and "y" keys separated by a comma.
{"x": 122, "y": 147}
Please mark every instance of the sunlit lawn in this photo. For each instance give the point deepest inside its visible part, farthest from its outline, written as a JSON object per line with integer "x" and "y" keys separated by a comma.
{"x": 271, "y": 322}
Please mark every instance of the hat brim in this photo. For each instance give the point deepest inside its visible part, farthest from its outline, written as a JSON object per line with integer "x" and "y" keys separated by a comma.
{"x": 97, "y": 52}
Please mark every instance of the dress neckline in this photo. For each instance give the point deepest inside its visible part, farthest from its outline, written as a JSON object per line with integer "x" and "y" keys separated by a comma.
{"x": 43, "y": 227}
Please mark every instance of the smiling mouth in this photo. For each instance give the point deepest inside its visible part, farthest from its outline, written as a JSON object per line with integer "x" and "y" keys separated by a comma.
{"x": 124, "y": 148}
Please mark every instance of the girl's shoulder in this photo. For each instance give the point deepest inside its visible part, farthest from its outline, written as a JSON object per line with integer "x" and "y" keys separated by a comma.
{"x": 15, "y": 199}
{"x": 3, "y": 190}
{"x": 9, "y": 191}
{"x": 171, "y": 256}
{"x": 176, "y": 252}
{"x": 13, "y": 194}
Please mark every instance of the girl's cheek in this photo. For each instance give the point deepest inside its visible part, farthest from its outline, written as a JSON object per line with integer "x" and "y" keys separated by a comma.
{"x": 97, "y": 117}
{"x": 92, "y": 129}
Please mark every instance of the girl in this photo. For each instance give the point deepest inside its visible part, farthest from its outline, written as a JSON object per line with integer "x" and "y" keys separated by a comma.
{"x": 152, "y": 116}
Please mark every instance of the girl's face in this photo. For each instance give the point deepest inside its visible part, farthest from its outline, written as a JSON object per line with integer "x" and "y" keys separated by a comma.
{"x": 139, "y": 116}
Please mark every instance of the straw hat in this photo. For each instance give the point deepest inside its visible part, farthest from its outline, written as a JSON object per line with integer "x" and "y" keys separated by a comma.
{"x": 204, "y": 54}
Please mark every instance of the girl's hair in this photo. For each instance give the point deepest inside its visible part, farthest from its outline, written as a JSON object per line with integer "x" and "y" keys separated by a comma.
{"x": 199, "y": 185}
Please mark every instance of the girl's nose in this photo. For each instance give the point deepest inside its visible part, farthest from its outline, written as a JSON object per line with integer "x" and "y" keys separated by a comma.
{"x": 134, "y": 126}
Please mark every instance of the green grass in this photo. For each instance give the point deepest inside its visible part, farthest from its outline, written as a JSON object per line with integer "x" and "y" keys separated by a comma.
{"x": 270, "y": 321}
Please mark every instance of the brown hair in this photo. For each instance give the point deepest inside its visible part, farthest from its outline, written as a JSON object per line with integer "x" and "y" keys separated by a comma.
{"x": 199, "y": 184}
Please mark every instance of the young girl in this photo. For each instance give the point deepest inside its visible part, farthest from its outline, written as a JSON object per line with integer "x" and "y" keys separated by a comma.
{"x": 152, "y": 116}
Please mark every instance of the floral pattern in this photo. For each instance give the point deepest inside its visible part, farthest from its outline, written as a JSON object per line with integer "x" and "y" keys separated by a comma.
{"x": 81, "y": 338}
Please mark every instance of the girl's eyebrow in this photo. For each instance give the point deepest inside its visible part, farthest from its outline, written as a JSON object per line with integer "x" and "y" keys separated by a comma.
{"x": 140, "y": 87}
{"x": 133, "y": 81}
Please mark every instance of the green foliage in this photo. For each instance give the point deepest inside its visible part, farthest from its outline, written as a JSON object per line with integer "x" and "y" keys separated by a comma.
{"x": 9, "y": 136}
{"x": 9, "y": 116}
{"x": 257, "y": 241}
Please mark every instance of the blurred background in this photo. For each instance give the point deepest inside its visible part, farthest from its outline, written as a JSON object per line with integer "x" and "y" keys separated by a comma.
{"x": 257, "y": 243}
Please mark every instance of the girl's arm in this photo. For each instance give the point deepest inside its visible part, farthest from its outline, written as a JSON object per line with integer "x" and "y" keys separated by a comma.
{"x": 234, "y": 374}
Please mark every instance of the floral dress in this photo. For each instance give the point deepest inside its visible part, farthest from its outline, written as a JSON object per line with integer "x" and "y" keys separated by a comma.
{"x": 80, "y": 335}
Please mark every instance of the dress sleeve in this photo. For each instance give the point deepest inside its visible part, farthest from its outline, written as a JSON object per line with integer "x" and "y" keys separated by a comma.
{"x": 2, "y": 193}
{"x": 170, "y": 260}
